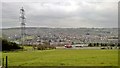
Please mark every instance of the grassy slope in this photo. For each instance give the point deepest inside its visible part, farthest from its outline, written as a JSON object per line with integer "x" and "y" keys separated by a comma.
{"x": 63, "y": 58}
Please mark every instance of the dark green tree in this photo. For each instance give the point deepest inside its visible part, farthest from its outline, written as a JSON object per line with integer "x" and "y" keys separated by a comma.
{"x": 8, "y": 46}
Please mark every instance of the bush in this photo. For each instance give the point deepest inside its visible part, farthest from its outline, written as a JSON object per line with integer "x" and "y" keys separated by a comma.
{"x": 90, "y": 44}
{"x": 45, "y": 47}
{"x": 9, "y": 46}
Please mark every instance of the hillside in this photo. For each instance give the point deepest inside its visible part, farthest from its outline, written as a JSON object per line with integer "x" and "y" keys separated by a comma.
{"x": 57, "y": 31}
{"x": 77, "y": 35}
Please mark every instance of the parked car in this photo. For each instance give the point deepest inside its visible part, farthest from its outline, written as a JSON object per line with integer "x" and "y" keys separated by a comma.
{"x": 68, "y": 46}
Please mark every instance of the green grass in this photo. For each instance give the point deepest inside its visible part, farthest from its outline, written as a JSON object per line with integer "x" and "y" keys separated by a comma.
{"x": 63, "y": 57}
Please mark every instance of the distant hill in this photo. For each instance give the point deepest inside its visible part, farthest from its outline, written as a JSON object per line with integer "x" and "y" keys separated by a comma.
{"x": 57, "y": 31}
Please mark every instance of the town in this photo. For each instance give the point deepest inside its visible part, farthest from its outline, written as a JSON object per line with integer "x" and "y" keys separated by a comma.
{"x": 62, "y": 36}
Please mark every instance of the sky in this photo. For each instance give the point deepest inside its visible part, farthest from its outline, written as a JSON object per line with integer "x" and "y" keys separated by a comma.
{"x": 61, "y": 13}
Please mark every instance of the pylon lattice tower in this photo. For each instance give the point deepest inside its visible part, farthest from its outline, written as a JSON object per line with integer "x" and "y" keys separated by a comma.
{"x": 22, "y": 21}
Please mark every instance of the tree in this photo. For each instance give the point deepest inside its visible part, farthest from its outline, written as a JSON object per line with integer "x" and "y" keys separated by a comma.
{"x": 90, "y": 44}
{"x": 8, "y": 46}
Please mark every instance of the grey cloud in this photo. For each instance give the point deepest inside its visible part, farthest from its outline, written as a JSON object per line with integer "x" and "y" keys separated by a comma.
{"x": 62, "y": 14}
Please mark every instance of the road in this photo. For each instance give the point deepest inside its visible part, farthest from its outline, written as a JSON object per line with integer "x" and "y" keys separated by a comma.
{"x": 78, "y": 48}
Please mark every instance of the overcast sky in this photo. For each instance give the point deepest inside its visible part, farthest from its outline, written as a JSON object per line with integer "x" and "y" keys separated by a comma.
{"x": 62, "y": 13}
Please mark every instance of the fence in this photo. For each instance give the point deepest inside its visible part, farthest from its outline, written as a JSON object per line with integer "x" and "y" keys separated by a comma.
{"x": 5, "y": 62}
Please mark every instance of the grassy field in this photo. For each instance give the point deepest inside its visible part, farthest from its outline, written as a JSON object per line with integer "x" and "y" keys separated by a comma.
{"x": 63, "y": 57}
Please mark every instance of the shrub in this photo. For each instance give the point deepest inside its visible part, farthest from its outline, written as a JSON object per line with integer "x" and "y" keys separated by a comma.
{"x": 90, "y": 44}
{"x": 45, "y": 47}
{"x": 8, "y": 46}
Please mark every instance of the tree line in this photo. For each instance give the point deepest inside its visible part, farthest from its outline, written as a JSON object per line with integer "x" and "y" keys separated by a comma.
{"x": 103, "y": 44}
